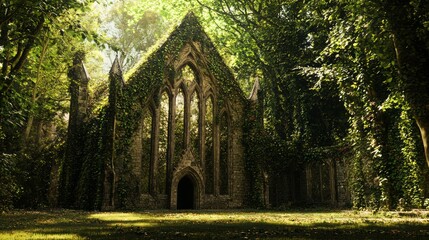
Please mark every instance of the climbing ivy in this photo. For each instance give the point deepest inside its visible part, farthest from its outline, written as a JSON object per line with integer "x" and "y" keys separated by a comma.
{"x": 385, "y": 165}
{"x": 147, "y": 78}
{"x": 90, "y": 186}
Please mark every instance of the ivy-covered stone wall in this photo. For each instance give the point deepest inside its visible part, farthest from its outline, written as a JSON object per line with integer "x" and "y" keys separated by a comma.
{"x": 186, "y": 45}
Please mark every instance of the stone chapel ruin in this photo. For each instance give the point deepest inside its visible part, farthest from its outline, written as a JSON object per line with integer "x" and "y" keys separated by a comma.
{"x": 171, "y": 137}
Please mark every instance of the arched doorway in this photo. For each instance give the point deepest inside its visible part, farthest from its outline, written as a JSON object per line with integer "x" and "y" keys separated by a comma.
{"x": 186, "y": 193}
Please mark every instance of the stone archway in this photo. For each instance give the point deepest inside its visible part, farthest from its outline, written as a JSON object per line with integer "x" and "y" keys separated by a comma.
{"x": 186, "y": 193}
{"x": 186, "y": 189}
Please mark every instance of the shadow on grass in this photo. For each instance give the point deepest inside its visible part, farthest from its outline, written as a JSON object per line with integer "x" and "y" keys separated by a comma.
{"x": 177, "y": 225}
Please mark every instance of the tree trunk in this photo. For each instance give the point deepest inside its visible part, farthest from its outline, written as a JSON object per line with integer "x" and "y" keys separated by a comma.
{"x": 27, "y": 131}
{"x": 33, "y": 102}
{"x": 423, "y": 124}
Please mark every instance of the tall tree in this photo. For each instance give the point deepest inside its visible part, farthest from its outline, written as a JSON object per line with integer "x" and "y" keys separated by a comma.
{"x": 24, "y": 26}
{"x": 21, "y": 24}
{"x": 273, "y": 39}
{"x": 133, "y": 26}
{"x": 360, "y": 57}
{"x": 37, "y": 41}
{"x": 132, "y": 29}
{"x": 408, "y": 22}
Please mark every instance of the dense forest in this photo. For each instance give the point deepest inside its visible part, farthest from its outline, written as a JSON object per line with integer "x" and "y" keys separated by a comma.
{"x": 340, "y": 78}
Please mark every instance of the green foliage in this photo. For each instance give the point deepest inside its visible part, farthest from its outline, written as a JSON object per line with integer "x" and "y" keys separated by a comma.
{"x": 37, "y": 40}
{"x": 36, "y": 175}
{"x": 10, "y": 189}
{"x": 89, "y": 192}
{"x": 36, "y": 45}
{"x": 27, "y": 178}
{"x": 23, "y": 22}
{"x": 132, "y": 29}
{"x": 359, "y": 57}
{"x": 413, "y": 165}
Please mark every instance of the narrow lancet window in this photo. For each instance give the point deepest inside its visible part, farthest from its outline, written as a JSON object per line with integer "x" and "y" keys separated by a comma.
{"x": 194, "y": 130}
{"x": 179, "y": 131}
{"x": 161, "y": 167}
{"x": 223, "y": 156}
{"x": 209, "y": 153}
{"x": 146, "y": 149}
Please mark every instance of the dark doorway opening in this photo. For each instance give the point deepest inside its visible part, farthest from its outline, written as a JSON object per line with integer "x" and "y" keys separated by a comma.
{"x": 185, "y": 193}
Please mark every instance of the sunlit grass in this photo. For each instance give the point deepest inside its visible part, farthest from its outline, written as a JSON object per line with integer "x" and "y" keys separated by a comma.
{"x": 65, "y": 224}
{"x": 32, "y": 235}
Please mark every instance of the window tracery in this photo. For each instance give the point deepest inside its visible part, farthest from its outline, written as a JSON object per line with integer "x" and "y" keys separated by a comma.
{"x": 187, "y": 75}
{"x": 192, "y": 127}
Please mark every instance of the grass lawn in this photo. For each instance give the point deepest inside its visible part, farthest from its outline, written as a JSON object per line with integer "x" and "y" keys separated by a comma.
{"x": 204, "y": 224}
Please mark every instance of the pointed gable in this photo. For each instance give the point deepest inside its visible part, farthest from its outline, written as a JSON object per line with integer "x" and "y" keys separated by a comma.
{"x": 186, "y": 44}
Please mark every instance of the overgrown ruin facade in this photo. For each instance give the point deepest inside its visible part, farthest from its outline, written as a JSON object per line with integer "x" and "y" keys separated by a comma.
{"x": 172, "y": 136}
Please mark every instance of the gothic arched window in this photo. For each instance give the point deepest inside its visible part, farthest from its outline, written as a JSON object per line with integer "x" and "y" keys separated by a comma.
{"x": 223, "y": 155}
{"x": 179, "y": 128}
{"x": 194, "y": 129}
{"x": 147, "y": 123}
{"x": 209, "y": 150}
{"x": 161, "y": 165}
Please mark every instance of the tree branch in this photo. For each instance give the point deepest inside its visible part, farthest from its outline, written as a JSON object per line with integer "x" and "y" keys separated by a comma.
{"x": 28, "y": 46}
